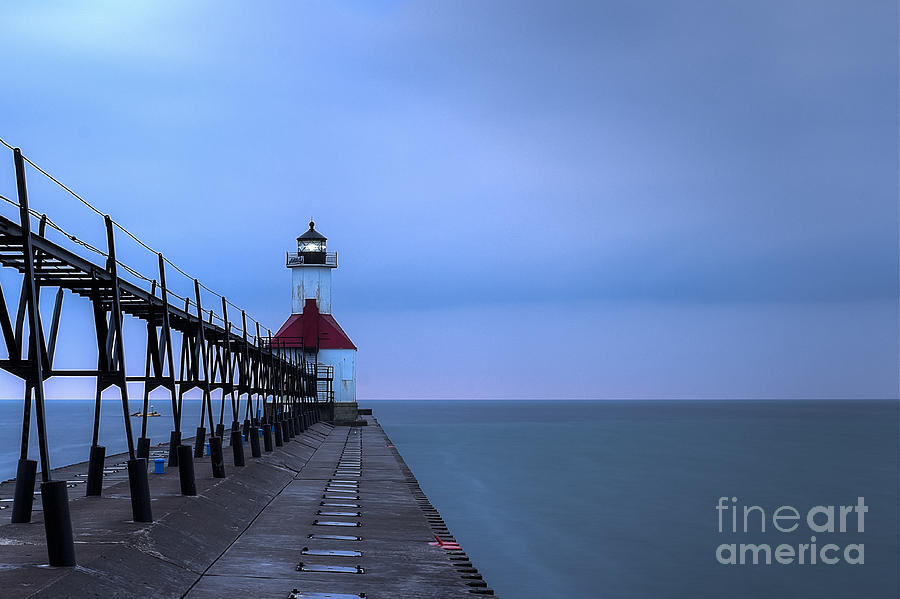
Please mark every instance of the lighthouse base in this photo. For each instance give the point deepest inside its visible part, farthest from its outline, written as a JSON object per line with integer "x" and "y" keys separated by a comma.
{"x": 346, "y": 412}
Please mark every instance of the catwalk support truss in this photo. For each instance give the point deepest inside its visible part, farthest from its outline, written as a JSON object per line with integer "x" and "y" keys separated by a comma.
{"x": 270, "y": 392}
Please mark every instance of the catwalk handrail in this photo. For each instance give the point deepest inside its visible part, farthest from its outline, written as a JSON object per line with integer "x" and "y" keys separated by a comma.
{"x": 119, "y": 226}
{"x": 9, "y": 228}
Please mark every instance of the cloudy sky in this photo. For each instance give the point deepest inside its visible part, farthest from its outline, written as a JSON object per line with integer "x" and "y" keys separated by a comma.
{"x": 529, "y": 199}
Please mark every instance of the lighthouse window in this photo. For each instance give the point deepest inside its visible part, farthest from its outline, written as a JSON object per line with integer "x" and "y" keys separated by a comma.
{"x": 312, "y": 246}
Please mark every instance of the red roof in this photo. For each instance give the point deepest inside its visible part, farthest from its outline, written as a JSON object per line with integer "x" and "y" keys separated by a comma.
{"x": 312, "y": 329}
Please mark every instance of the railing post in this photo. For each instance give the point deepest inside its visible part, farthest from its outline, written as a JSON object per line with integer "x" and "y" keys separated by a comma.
{"x": 186, "y": 470}
{"x": 94, "y": 486}
{"x": 151, "y": 364}
{"x": 253, "y": 436}
{"x": 201, "y": 353}
{"x": 175, "y": 435}
{"x": 262, "y": 376}
{"x": 137, "y": 467}
{"x": 54, "y": 497}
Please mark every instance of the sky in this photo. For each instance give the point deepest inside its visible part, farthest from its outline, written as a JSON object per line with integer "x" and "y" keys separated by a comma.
{"x": 596, "y": 199}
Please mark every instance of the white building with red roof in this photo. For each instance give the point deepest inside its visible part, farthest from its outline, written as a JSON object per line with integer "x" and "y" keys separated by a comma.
{"x": 311, "y": 328}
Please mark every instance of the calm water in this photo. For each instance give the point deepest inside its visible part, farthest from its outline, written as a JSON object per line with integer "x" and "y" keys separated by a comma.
{"x": 617, "y": 499}
{"x": 70, "y": 426}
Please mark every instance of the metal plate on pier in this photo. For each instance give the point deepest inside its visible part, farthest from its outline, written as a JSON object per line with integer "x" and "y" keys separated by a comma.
{"x": 301, "y": 567}
{"x": 350, "y": 514}
{"x": 327, "y": 504}
{"x": 346, "y": 482}
{"x": 335, "y": 537}
{"x": 295, "y": 594}
{"x": 335, "y": 552}
{"x": 335, "y": 523}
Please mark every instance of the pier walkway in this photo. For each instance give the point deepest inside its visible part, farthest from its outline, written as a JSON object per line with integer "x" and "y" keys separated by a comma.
{"x": 334, "y": 512}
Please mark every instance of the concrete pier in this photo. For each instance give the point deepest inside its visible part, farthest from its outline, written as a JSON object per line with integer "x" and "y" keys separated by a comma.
{"x": 247, "y": 534}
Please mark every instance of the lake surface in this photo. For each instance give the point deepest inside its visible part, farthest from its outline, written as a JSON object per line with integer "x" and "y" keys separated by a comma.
{"x": 70, "y": 427}
{"x": 616, "y": 499}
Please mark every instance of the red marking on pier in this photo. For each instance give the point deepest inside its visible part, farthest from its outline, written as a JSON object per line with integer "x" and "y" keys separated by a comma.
{"x": 449, "y": 545}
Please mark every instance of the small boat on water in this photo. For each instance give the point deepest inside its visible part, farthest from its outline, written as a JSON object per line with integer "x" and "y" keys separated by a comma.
{"x": 150, "y": 413}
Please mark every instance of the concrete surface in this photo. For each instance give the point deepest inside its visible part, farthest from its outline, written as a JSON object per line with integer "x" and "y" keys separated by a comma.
{"x": 244, "y": 535}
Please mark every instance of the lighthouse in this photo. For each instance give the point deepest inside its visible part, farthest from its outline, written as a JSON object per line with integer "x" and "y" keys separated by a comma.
{"x": 311, "y": 328}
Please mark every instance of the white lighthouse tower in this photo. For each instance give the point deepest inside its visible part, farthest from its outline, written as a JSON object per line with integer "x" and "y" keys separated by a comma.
{"x": 311, "y": 328}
